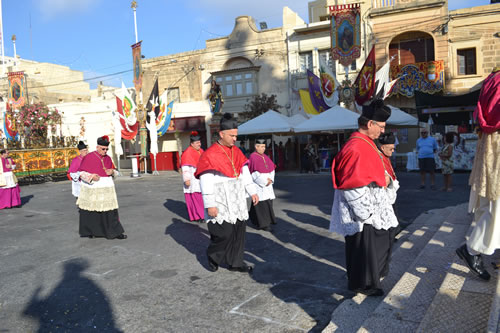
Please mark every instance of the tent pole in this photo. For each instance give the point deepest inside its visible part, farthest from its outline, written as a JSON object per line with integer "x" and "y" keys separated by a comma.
{"x": 272, "y": 146}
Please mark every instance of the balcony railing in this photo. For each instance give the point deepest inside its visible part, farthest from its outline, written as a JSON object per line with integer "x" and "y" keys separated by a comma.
{"x": 385, "y": 3}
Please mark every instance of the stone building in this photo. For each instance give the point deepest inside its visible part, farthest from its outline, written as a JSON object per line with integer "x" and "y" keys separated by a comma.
{"x": 247, "y": 62}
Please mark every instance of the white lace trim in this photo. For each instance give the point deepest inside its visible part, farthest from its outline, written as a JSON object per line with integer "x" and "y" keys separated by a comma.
{"x": 230, "y": 202}
{"x": 366, "y": 205}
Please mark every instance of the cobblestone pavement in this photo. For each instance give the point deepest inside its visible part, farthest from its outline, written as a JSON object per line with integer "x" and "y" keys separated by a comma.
{"x": 157, "y": 280}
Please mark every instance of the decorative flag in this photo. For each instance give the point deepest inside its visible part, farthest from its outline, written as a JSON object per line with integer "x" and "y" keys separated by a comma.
{"x": 153, "y": 103}
{"x": 345, "y": 33}
{"x": 315, "y": 92}
{"x": 137, "y": 57}
{"x": 364, "y": 85}
{"x": 153, "y": 133}
{"x": 329, "y": 84}
{"x": 163, "y": 118}
{"x": 17, "y": 94}
{"x": 129, "y": 132}
{"x": 306, "y": 102}
{"x": 9, "y": 124}
{"x": 117, "y": 127}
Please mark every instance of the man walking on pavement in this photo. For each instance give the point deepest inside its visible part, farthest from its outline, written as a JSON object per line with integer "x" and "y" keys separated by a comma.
{"x": 224, "y": 176}
{"x": 362, "y": 209}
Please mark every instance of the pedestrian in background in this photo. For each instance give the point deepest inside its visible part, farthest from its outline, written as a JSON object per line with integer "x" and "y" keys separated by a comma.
{"x": 426, "y": 148}
{"x": 446, "y": 156}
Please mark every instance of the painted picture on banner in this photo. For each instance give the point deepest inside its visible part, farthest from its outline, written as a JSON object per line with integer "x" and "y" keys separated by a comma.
{"x": 346, "y": 36}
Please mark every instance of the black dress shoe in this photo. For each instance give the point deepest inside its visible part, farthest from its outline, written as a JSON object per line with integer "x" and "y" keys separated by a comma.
{"x": 267, "y": 229}
{"x": 121, "y": 236}
{"x": 370, "y": 292}
{"x": 89, "y": 236}
{"x": 212, "y": 265}
{"x": 475, "y": 263}
{"x": 242, "y": 269}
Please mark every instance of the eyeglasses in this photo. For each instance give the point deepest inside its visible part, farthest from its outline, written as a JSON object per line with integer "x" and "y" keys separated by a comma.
{"x": 105, "y": 149}
{"x": 380, "y": 126}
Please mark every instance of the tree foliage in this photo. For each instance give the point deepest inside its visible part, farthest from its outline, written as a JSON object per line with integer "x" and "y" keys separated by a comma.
{"x": 260, "y": 104}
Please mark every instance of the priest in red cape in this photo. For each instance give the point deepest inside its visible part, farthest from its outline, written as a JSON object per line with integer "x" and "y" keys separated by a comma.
{"x": 362, "y": 211}
{"x": 484, "y": 180}
{"x": 192, "y": 190}
{"x": 97, "y": 200}
{"x": 225, "y": 182}
{"x": 262, "y": 170}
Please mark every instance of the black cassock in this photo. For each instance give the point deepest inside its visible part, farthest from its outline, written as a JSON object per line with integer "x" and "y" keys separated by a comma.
{"x": 100, "y": 224}
{"x": 262, "y": 214}
{"x": 368, "y": 254}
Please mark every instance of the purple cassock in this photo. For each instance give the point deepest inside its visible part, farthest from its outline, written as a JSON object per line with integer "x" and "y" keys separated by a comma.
{"x": 10, "y": 194}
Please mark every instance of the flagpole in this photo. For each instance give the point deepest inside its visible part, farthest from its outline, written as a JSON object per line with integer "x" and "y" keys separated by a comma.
{"x": 134, "y": 7}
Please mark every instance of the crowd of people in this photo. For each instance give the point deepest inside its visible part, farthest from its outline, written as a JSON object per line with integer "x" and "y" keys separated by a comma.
{"x": 224, "y": 189}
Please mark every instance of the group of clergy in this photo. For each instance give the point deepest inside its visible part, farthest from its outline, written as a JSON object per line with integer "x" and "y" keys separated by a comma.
{"x": 218, "y": 181}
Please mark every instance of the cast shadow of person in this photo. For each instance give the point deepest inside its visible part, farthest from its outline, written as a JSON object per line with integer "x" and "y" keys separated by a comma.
{"x": 26, "y": 199}
{"x": 177, "y": 207}
{"x": 192, "y": 236}
{"x": 76, "y": 304}
{"x": 315, "y": 286}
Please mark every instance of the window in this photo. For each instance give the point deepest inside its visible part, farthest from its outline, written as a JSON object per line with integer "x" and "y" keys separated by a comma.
{"x": 238, "y": 84}
{"x": 327, "y": 57}
{"x": 173, "y": 95}
{"x": 466, "y": 61}
{"x": 305, "y": 61}
{"x": 353, "y": 65}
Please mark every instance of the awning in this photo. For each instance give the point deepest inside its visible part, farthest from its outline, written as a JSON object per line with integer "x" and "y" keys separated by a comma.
{"x": 446, "y": 110}
{"x": 400, "y": 118}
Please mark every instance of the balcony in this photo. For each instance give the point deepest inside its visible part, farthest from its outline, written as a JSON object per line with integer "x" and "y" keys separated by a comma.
{"x": 384, "y": 7}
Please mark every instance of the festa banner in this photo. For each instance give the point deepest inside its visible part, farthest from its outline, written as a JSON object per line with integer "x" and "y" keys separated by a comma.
{"x": 329, "y": 84}
{"x": 9, "y": 124}
{"x": 427, "y": 77}
{"x": 345, "y": 33}
{"x": 136, "y": 57}
{"x": 17, "y": 90}
{"x": 164, "y": 117}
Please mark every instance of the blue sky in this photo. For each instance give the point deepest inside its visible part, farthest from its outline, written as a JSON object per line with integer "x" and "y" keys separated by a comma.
{"x": 94, "y": 36}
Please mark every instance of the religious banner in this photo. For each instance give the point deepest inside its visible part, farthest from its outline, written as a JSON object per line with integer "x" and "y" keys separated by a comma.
{"x": 136, "y": 56}
{"x": 17, "y": 90}
{"x": 364, "y": 86}
{"x": 345, "y": 32}
{"x": 427, "y": 77}
{"x": 315, "y": 92}
{"x": 215, "y": 97}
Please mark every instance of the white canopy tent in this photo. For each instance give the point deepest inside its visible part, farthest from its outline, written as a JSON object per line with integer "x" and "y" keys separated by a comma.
{"x": 270, "y": 122}
{"x": 400, "y": 118}
{"x": 336, "y": 118}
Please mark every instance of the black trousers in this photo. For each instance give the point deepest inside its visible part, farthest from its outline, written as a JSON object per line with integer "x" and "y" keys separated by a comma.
{"x": 100, "y": 224}
{"x": 227, "y": 243}
{"x": 262, "y": 215}
{"x": 368, "y": 255}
